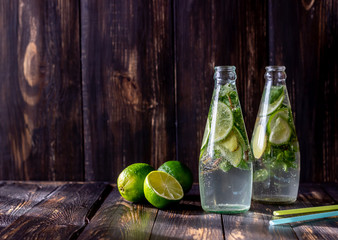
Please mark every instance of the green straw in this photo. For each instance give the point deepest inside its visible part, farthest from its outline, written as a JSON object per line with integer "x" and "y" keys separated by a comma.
{"x": 303, "y": 218}
{"x": 306, "y": 210}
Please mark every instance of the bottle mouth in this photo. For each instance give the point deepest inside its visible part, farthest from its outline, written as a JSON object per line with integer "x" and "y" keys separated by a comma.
{"x": 275, "y": 68}
{"x": 225, "y": 68}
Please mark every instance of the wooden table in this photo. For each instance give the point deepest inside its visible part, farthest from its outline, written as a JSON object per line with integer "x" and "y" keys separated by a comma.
{"x": 59, "y": 210}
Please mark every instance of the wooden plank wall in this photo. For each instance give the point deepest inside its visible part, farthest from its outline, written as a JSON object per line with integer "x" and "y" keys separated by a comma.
{"x": 89, "y": 87}
{"x": 40, "y": 109}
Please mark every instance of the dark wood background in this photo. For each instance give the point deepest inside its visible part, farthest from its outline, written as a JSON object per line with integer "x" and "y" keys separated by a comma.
{"x": 89, "y": 87}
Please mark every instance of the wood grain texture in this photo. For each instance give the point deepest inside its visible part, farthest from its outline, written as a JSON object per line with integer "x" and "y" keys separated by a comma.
{"x": 58, "y": 217}
{"x": 120, "y": 219}
{"x": 303, "y": 36}
{"x": 128, "y": 88}
{"x": 205, "y": 36}
{"x": 313, "y": 195}
{"x": 255, "y": 224}
{"x": 89, "y": 87}
{"x": 187, "y": 221}
{"x": 41, "y": 118}
{"x": 18, "y": 198}
{"x": 332, "y": 190}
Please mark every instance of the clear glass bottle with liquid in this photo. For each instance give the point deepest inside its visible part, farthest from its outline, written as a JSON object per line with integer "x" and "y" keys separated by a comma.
{"x": 225, "y": 168}
{"x": 274, "y": 143}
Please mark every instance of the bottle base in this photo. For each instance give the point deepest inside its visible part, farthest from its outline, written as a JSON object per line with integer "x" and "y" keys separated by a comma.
{"x": 284, "y": 200}
{"x": 227, "y": 208}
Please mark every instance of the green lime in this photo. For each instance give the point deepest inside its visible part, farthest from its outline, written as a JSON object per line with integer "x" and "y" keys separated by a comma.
{"x": 162, "y": 189}
{"x": 179, "y": 171}
{"x": 234, "y": 158}
{"x": 259, "y": 141}
{"x": 130, "y": 181}
{"x": 280, "y": 113}
{"x": 280, "y": 132}
{"x": 275, "y": 105}
{"x": 230, "y": 142}
{"x": 206, "y": 133}
{"x": 225, "y": 146}
{"x": 240, "y": 138}
{"x": 275, "y": 92}
{"x": 224, "y": 122}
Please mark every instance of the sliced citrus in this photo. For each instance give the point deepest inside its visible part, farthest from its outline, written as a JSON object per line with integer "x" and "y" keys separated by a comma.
{"x": 280, "y": 132}
{"x": 206, "y": 133}
{"x": 259, "y": 141}
{"x": 234, "y": 158}
{"x": 240, "y": 138}
{"x": 280, "y": 113}
{"x": 275, "y": 105}
{"x": 223, "y": 122}
{"x": 230, "y": 142}
{"x": 180, "y": 171}
{"x": 162, "y": 189}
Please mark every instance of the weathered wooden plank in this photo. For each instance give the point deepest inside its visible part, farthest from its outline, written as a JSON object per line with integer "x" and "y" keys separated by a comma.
{"x": 332, "y": 190}
{"x": 255, "y": 224}
{"x": 40, "y": 107}
{"x": 308, "y": 47}
{"x": 187, "y": 221}
{"x": 313, "y": 195}
{"x": 128, "y": 86}
{"x": 58, "y": 217}
{"x": 18, "y": 198}
{"x": 120, "y": 219}
{"x": 209, "y": 33}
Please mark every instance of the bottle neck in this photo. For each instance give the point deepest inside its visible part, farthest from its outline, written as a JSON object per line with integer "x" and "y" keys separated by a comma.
{"x": 224, "y": 75}
{"x": 275, "y": 75}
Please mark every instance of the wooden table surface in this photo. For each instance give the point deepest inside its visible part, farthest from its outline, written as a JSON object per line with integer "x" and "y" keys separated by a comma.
{"x": 60, "y": 210}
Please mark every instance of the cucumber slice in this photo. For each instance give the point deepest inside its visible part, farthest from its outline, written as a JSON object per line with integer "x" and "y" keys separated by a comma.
{"x": 280, "y": 132}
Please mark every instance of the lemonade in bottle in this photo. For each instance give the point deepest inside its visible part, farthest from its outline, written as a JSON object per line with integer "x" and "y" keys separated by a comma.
{"x": 274, "y": 143}
{"x": 225, "y": 169}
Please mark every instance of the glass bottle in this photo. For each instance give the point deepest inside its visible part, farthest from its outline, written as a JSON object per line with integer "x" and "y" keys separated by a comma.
{"x": 274, "y": 143}
{"x": 225, "y": 169}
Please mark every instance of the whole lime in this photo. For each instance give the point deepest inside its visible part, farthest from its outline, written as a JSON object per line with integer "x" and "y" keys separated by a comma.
{"x": 179, "y": 171}
{"x": 131, "y": 179}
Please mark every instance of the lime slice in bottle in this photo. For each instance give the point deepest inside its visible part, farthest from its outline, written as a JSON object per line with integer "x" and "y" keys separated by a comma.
{"x": 275, "y": 105}
{"x": 224, "y": 122}
{"x": 162, "y": 189}
{"x": 234, "y": 158}
{"x": 240, "y": 138}
{"x": 259, "y": 141}
{"x": 280, "y": 113}
{"x": 206, "y": 133}
{"x": 280, "y": 132}
{"x": 230, "y": 142}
